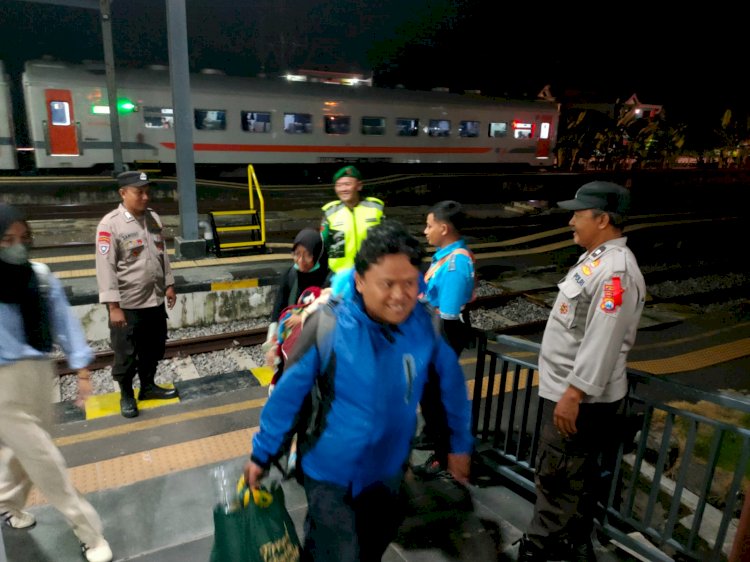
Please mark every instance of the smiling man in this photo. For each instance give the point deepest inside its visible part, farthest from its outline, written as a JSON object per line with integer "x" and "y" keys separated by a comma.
{"x": 368, "y": 370}
{"x": 582, "y": 374}
{"x": 346, "y": 220}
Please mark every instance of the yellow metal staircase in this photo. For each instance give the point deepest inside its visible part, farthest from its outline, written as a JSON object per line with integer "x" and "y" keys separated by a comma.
{"x": 243, "y": 229}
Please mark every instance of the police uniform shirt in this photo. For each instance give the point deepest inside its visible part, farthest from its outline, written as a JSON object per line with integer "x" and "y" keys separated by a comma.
{"x": 132, "y": 266}
{"x": 593, "y": 325}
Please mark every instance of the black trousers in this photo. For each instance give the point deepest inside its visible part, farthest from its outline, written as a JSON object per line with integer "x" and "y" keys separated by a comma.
{"x": 139, "y": 345}
{"x": 342, "y": 528}
{"x": 458, "y": 335}
{"x": 569, "y": 472}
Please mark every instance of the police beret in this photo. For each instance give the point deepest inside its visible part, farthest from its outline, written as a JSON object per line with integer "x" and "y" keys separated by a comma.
{"x": 347, "y": 172}
{"x": 603, "y": 195}
{"x": 132, "y": 179}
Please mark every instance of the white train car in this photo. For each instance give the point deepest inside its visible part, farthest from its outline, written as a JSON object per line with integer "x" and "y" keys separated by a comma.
{"x": 8, "y": 160}
{"x": 240, "y": 121}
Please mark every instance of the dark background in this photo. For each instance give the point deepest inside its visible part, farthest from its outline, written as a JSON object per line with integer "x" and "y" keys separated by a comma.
{"x": 691, "y": 61}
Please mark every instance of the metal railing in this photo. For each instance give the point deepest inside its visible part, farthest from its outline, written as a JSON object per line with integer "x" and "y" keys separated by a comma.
{"x": 674, "y": 486}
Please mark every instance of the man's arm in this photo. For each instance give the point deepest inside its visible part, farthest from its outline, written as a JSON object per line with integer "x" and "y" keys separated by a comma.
{"x": 106, "y": 272}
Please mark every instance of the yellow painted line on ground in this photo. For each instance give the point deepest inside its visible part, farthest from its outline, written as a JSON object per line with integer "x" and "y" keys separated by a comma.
{"x": 695, "y": 359}
{"x": 142, "y": 425}
{"x": 263, "y": 374}
{"x": 231, "y": 285}
{"x": 102, "y": 405}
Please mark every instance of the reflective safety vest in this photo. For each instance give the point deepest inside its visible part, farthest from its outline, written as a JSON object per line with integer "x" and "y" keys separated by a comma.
{"x": 344, "y": 229}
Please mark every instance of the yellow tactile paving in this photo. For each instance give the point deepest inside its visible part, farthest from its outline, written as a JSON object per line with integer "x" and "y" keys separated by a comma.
{"x": 101, "y": 405}
{"x": 263, "y": 374}
{"x": 695, "y": 359}
{"x": 129, "y": 469}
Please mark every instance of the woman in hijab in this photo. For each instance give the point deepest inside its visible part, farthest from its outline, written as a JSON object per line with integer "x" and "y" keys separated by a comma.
{"x": 34, "y": 313}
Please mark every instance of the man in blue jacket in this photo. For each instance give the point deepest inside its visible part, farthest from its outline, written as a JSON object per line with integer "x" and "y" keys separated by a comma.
{"x": 369, "y": 375}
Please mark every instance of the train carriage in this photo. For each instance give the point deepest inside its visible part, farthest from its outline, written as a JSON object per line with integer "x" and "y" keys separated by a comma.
{"x": 262, "y": 121}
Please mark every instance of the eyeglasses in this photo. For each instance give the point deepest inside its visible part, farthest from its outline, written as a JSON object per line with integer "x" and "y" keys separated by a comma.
{"x": 301, "y": 256}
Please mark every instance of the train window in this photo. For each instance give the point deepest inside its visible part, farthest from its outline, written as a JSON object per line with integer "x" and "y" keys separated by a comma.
{"x": 210, "y": 119}
{"x": 256, "y": 121}
{"x": 407, "y": 127}
{"x": 158, "y": 117}
{"x": 523, "y": 130}
{"x": 337, "y": 124}
{"x": 468, "y": 129}
{"x": 297, "y": 123}
{"x": 439, "y": 128}
{"x": 59, "y": 112}
{"x": 498, "y": 130}
{"x": 373, "y": 125}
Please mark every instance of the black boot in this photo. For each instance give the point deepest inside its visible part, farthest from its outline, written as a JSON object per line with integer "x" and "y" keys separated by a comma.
{"x": 155, "y": 392}
{"x": 529, "y": 552}
{"x": 128, "y": 405}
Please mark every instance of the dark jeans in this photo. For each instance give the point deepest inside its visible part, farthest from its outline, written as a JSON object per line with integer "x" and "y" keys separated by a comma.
{"x": 342, "y": 528}
{"x": 568, "y": 474}
{"x": 139, "y": 346}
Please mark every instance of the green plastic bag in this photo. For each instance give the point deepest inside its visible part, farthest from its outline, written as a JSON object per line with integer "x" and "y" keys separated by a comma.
{"x": 258, "y": 530}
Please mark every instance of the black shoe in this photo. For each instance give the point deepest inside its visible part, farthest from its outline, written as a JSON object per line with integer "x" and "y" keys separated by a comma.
{"x": 583, "y": 552}
{"x": 428, "y": 469}
{"x": 155, "y": 392}
{"x": 423, "y": 443}
{"x": 128, "y": 407}
{"x": 529, "y": 552}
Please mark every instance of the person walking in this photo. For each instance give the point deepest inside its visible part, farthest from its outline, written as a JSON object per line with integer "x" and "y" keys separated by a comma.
{"x": 450, "y": 287}
{"x": 368, "y": 367}
{"x": 34, "y": 314}
{"x": 582, "y": 374}
{"x": 346, "y": 221}
{"x": 134, "y": 278}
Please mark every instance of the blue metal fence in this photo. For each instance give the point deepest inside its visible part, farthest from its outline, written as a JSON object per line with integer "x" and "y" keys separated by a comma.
{"x": 674, "y": 489}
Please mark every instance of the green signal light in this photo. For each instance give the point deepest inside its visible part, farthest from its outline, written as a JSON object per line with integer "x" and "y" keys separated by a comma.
{"x": 125, "y": 106}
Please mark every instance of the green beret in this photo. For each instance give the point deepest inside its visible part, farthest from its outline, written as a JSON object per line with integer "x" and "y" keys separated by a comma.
{"x": 347, "y": 172}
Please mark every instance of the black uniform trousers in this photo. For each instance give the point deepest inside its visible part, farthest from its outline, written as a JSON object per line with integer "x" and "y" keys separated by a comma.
{"x": 458, "y": 334}
{"x": 569, "y": 474}
{"x": 139, "y": 345}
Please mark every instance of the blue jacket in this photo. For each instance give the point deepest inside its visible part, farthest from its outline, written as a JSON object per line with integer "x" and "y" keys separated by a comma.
{"x": 377, "y": 373}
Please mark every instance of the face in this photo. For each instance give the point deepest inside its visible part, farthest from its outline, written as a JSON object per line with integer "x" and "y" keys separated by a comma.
{"x": 17, "y": 233}
{"x": 435, "y": 231}
{"x": 303, "y": 259}
{"x": 588, "y": 229}
{"x": 135, "y": 199}
{"x": 347, "y": 190}
{"x": 389, "y": 288}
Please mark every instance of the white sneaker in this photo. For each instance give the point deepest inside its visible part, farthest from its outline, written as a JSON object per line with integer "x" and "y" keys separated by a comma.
{"x": 18, "y": 519}
{"x": 98, "y": 553}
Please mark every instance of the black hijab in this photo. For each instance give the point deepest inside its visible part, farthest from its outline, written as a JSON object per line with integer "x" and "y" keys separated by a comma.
{"x": 20, "y": 286}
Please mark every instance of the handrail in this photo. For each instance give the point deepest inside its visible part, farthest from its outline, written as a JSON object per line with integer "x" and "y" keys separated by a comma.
{"x": 252, "y": 182}
{"x": 661, "y": 480}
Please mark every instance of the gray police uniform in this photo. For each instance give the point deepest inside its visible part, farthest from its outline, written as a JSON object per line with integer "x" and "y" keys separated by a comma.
{"x": 591, "y": 328}
{"x": 132, "y": 268}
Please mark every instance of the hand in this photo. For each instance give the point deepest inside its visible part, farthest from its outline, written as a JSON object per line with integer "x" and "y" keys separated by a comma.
{"x": 171, "y": 297}
{"x": 459, "y": 465}
{"x": 117, "y": 318}
{"x": 85, "y": 388}
{"x": 253, "y": 474}
{"x": 272, "y": 356}
{"x": 566, "y": 411}
{"x": 292, "y": 321}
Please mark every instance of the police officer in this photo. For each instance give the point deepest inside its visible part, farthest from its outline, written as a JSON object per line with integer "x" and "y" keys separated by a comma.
{"x": 134, "y": 279}
{"x": 583, "y": 380}
{"x": 346, "y": 220}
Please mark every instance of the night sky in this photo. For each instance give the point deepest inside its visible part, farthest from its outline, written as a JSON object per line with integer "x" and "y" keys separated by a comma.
{"x": 689, "y": 61}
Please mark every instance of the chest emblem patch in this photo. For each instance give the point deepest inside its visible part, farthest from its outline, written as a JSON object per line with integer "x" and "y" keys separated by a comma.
{"x": 564, "y": 308}
{"x": 612, "y": 297}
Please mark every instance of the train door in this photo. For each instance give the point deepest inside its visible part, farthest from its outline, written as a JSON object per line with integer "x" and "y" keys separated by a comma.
{"x": 544, "y": 141}
{"x": 61, "y": 129}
